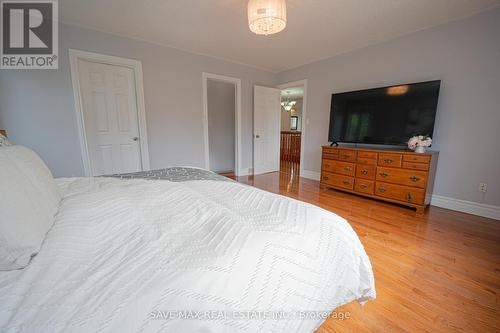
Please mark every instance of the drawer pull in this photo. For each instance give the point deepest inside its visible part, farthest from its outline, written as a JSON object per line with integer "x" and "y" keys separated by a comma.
{"x": 363, "y": 186}
{"x": 364, "y": 172}
{"x": 347, "y": 168}
{"x": 346, "y": 182}
{"x": 327, "y": 165}
{"x": 383, "y": 174}
{"x": 414, "y": 179}
{"x": 346, "y": 156}
{"x": 409, "y": 197}
{"x": 388, "y": 160}
{"x": 326, "y": 177}
{"x": 382, "y": 189}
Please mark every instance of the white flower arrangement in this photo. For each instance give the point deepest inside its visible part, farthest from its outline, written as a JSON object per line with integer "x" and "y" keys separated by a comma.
{"x": 419, "y": 141}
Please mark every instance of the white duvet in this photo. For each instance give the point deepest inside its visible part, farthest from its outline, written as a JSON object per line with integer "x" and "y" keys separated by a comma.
{"x": 198, "y": 256}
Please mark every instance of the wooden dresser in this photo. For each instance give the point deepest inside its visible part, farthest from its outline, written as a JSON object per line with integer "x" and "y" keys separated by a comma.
{"x": 398, "y": 176}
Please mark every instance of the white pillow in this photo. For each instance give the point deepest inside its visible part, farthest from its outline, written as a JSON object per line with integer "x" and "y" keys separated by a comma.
{"x": 4, "y": 141}
{"x": 29, "y": 199}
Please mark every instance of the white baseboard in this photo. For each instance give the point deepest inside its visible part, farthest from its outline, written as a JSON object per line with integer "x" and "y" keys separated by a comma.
{"x": 475, "y": 208}
{"x": 245, "y": 172}
{"x": 310, "y": 174}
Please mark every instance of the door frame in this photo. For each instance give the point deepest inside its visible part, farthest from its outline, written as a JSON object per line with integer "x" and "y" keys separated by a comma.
{"x": 237, "y": 123}
{"x": 292, "y": 84}
{"x": 136, "y": 66}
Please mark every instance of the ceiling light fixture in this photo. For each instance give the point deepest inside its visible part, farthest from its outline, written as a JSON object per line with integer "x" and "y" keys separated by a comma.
{"x": 266, "y": 17}
{"x": 288, "y": 105}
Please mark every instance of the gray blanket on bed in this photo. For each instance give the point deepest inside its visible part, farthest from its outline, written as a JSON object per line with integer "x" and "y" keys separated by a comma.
{"x": 174, "y": 174}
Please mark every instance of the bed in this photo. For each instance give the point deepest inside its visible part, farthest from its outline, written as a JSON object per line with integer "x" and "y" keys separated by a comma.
{"x": 183, "y": 250}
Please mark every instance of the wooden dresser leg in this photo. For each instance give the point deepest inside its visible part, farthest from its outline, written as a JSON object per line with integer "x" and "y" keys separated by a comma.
{"x": 420, "y": 209}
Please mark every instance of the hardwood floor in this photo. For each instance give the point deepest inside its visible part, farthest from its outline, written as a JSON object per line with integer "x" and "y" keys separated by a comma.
{"x": 436, "y": 272}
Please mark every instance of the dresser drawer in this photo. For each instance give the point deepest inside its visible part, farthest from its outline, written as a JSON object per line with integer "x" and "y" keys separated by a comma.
{"x": 366, "y": 161}
{"x": 331, "y": 150}
{"x": 401, "y": 193}
{"x": 327, "y": 178}
{"x": 327, "y": 165}
{"x": 344, "y": 168}
{"x": 390, "y": 159}
{"x": 366, "y": 171}
{"x": 417, "y": 158}
{"x": 337, "y": 180}
{"x": 330, "y": 153}
{"x": 402, "y": 176}
{"x": 367, "y": 154}
{"x": 364, "y": 186}
{"x": 327, "y": 156}
{"x": 415, "y": 166}
{"x": 347, "y": 155}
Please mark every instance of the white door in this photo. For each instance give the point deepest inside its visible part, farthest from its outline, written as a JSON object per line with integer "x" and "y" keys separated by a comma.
{"x": 110, "y": 117}
{"x": 266, "y": 123}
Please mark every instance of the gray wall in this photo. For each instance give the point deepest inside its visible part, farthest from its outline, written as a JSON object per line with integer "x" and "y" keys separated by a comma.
{"x": 465, "y": 55}
{"x": 37, "y": 106}
{"x": 221, "y": 125}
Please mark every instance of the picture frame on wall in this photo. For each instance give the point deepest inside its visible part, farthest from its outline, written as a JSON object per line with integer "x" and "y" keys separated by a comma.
{"x": 294, "y": 122}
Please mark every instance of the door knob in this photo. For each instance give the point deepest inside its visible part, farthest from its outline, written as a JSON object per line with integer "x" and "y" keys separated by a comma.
{"x": 257, "y": 136}
{"x": 135, "y": 138}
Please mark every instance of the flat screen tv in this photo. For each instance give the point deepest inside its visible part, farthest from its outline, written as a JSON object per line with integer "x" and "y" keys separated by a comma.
{"x": 386, "y": 115}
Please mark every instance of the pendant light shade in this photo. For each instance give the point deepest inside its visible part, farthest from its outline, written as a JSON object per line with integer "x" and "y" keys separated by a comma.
{"x": 266, "y": 17}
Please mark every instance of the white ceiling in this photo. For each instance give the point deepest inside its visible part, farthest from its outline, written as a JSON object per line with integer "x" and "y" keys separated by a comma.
{"x": 293, "y": 92}
{"x": 316, "y": 29}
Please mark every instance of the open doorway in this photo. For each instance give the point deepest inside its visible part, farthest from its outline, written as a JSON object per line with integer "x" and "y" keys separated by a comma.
{"x": 222, "y": 105}
{"x": 292, "y": 118}
{"x": 279, "y": 128}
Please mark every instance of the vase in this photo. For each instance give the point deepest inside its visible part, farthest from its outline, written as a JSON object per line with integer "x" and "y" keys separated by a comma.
{"x": 420, "y": 149}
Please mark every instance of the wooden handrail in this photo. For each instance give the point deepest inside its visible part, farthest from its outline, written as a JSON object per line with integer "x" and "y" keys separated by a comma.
{"x": 290, "y": 146}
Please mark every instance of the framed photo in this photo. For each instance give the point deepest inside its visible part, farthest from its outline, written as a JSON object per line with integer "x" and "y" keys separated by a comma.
{"x": 294, "y": 122}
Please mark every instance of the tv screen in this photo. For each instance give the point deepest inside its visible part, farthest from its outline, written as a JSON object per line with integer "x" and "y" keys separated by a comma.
{"x": 387, "y": 115}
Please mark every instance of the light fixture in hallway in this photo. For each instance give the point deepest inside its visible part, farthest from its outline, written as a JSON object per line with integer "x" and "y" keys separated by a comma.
{"x": 288, "y": 104}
